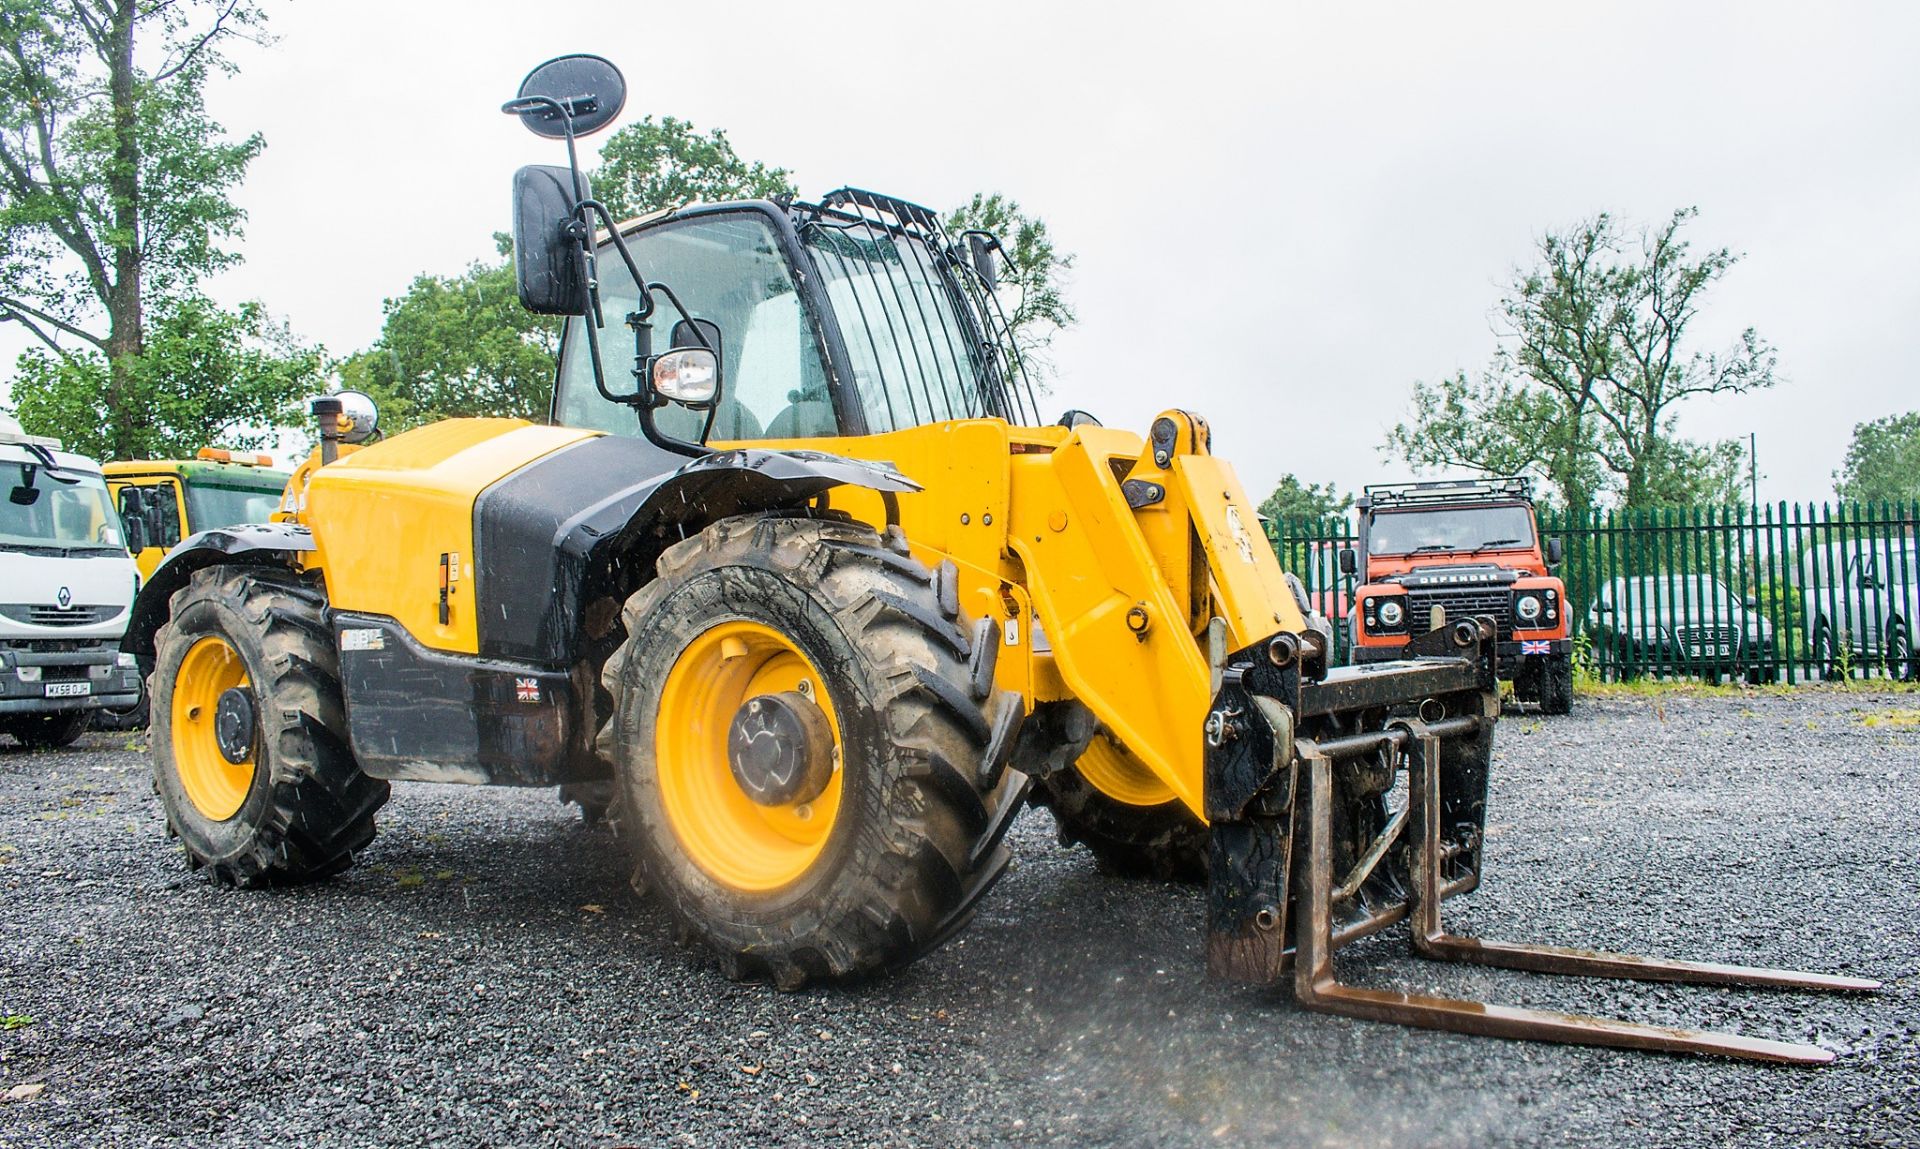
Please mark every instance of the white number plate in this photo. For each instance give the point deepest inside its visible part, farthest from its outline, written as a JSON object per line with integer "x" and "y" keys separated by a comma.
{"x": 1703, "y": 650}
{"x": 69, "y": 689}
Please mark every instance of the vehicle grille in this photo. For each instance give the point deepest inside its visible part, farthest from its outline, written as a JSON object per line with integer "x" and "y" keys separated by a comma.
{"x": 1701, "y": 635}
{"x": 42, "y": 614}
{"x": 1462, "y": 603}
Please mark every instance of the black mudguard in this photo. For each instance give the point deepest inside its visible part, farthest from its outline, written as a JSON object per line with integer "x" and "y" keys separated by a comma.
{"x": 553, "y": 537}
{"x": 258, "y": 544}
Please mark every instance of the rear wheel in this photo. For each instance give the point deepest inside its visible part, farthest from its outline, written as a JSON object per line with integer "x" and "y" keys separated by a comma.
{"x": 47, "y": 731}
{"x": 250, "y": 753}
{"x": 1110, "y": 802}
{"x": 798, "y": 751}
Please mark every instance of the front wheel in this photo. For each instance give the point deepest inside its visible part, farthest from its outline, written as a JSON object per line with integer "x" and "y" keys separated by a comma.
{"x": 47, "y": 731}
{"x": 1826, "y": 654}
{"x": 1900, "y": 664}
{"x": 799, "y": 753}
{"x": 1556, "y": 684}
{"x": 250, "y": 754}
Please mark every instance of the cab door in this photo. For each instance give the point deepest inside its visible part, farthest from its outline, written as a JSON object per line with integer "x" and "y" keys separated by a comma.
{"x": 157, "y": 504}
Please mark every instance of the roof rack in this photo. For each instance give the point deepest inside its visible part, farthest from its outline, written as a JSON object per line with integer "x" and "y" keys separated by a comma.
{"x": 1446, "y": 491}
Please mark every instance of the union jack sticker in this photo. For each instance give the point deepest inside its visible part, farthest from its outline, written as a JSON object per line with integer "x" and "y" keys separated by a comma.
{"x": 527, "y": 689}
{"x": 1527, "y": 646}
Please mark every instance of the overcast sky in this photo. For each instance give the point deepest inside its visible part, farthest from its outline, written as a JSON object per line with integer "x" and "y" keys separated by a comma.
{"x": 1281, "y": 214}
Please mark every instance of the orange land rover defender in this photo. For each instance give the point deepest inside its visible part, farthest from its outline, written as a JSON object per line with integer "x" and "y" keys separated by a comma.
{"x": 1441, "y": 551}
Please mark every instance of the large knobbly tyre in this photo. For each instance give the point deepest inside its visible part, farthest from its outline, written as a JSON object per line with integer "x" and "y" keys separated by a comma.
{"x": 852, "y": 660}
{"x": 1163, "y": 841}
{"x": 250, "y": 751}
{"x": 1556, "y": 684}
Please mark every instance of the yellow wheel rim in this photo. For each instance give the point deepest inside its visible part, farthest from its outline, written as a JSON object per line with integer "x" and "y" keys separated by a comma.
{"x": 1113, "y": 770}
{"x": 735, "y": 840}
{"x": 216, "y": 787}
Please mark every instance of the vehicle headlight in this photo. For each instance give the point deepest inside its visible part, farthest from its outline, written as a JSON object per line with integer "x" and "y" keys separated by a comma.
{"x": 28, "y": 673}
{"x": 1392, "y": 613}
{"x": 1527, "y": 606}
{"x": 125, "y": 658}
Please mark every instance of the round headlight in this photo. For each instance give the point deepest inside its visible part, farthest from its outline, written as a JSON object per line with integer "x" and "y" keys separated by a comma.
{"x": 1527, "y": 607}
{"x": 689, "y": 376}
{"x": 1392, "y": 613}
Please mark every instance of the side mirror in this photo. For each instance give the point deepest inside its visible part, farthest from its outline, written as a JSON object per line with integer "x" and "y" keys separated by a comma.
{"x": 1750, "y": 602}
{"x": 1349, "y": 561}
{"x": 136, "y": 531}
{"x": 569, "y": 96}
{"x": 980, "y": 247}
{"x": 550, "y": 266}
{"x": 1556, "y": 551}
{"x": 359, "y": 416}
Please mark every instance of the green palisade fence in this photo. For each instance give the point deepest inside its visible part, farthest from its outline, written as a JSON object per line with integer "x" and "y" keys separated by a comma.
{"x": 1784, "y": 592}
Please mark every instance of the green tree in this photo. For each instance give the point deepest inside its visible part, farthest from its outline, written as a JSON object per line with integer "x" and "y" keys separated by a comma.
{"x": 459, "y": 345}
{"x": 1883, "y": 461}
{"x": 1587, "y": 390}
{"x": 653, "y": 165}
{"x": 1032, "y": 287}
{"x": 114, "y": 180}
{"x": 207, "y": 377}
{"x": 1293, "y": 499}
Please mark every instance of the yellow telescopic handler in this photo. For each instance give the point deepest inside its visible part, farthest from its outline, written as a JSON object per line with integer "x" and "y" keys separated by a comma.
{"x": 799, "y": 590}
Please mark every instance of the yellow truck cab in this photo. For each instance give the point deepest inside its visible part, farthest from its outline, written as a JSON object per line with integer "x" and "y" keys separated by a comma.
{"x": 175, "y": 498}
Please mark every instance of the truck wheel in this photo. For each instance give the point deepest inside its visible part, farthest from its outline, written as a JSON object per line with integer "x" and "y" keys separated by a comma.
{"x": 48, "y": 731}
{"x": 1826, "y": 654}
{"x": 1556, "y": 684}
{"x": 1529, "y": 678}
{"x": 1900, "y": 664}
{"x": 250, "y": 751}
{"x": 1155, "y": 837}
{"x": 799, "y": 753}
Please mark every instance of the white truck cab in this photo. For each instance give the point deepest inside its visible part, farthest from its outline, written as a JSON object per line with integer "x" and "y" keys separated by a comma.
{"x": 66, "y": 591}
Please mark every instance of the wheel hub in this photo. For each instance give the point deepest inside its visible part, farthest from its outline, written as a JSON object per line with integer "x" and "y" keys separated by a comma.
{"x": 780, "y": 749}
{"x": 233, "y": 724}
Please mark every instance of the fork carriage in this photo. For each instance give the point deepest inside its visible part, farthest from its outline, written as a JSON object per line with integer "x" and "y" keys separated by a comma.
{"x": 1310, "y": 850}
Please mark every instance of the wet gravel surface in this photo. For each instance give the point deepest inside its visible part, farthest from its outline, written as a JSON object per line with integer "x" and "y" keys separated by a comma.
{"x": 484, "y": 977}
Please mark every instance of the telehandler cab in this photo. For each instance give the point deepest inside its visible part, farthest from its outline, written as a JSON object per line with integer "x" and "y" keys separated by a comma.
{"x": 814, "y": 601}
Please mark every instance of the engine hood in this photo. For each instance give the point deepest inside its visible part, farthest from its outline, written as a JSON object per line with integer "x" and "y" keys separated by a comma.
{"x": 1474, "y": 574}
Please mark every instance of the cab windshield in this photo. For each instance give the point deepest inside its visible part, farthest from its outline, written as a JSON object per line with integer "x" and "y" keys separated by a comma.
{"x": 209, "y": 506}
{"x": 56, "y": 512}
{"x": 1451, "y": 529}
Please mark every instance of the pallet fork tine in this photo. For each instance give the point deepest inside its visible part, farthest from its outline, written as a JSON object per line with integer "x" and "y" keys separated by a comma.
{"x": 1316, "y": 987}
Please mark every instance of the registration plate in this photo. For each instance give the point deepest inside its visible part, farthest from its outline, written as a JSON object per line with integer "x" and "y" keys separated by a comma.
{"x": 1702, "y": 650}
{"x": 69, "y": 689}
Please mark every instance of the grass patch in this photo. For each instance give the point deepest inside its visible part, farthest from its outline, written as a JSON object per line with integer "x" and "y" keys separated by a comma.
{"x": 1899, "y": 718}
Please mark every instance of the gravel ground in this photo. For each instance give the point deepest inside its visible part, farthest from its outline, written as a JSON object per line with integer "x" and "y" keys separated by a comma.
{"x": 484, "y": 977}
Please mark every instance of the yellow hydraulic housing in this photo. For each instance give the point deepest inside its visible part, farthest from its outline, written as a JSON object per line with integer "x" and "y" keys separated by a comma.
{"x": 1104, "y": 557}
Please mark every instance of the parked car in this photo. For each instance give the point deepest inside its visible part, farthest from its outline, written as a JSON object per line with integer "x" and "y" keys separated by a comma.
{"x": 1862, "y": 610}
{"x": 1691, "y": 624}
